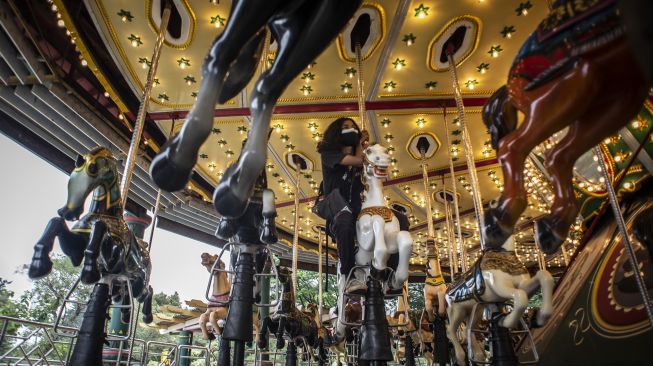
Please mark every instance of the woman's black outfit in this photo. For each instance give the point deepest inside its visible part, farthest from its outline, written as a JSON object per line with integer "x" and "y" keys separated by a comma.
{"x": 347, "y": 179}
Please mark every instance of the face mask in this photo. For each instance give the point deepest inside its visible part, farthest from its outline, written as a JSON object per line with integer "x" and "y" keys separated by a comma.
{"x": 350, "y": 136}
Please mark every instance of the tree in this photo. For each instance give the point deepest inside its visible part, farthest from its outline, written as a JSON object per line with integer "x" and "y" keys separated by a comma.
{"x": 48, "y": 293}
{"x": 10, "y": 307}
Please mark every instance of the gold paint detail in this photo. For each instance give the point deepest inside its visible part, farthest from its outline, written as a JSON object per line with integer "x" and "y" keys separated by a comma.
{"x": 434, "y": 281}
{"x": 422, "y": 133}
{"x": 382, "y": 211}
{"x": 86, "y": 54}
{"x": 470, "y": 51}
{"x": 155, "y": 29}
{"x": 341, "y": 44}
{"x": 503, "y": 261}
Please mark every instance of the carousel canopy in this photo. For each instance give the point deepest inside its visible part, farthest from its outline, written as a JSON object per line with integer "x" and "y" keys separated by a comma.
{"x": 74, "y": 73}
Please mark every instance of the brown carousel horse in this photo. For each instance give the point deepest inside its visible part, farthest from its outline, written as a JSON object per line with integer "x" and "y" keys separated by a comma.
{"x": 302, "y": 30}
{"x": 215, "y": 313}
{"x": 576, "y": 71}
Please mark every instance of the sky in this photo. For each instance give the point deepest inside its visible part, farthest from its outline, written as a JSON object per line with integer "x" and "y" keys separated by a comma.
{"x": 31, "y": 192}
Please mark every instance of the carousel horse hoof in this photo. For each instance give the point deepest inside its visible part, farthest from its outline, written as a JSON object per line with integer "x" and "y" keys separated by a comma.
{"x": 533, "y": 319}
{"x": 90, "y": 274}
{"x": 269, "y": 231}
{"x": 226, "y": 228}
{"x": 226, "y": 201}
{"x": 168, "y": 174}
{"x": 211, "y": 337}
{"x": 149, "y": 318}
{"x": 495, "y": 234}
{"x": 40, "y": 267}
{"x": 546, "y": 238}
{"x": 281, "y": 343}
{"x": 262, "y": 343}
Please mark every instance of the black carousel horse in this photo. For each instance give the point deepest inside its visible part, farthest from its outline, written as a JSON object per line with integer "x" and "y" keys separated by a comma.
{"x": 102, "y": 239}
{"x": 302, "y": 29}
{"x": 289, "y": 322}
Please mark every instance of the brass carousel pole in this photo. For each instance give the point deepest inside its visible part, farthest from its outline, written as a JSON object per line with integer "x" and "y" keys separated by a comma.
{"x": 469, "y": 152}
{"x": 142, "y": 110}
{"x": 461, "y": 241}
{"x": 616, "y": 210}
{"x": 295, "y": 237}
{"x": 360, "y": 83}
{"x": 320, "y": 290}
{"x": 452, "y": 264}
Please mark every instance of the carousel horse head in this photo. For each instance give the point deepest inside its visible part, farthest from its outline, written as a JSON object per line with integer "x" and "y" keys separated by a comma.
{"x": 376, "y": 162}
{"x": 208, "y": 261}
{"x": 95, "y": 170}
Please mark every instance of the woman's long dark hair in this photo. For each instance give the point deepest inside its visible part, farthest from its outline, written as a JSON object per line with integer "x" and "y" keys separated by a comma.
{"x": 332, "y": 139}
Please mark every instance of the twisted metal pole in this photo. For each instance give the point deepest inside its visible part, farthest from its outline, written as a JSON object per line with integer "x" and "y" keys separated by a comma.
{"x": 461, "y": 241}
{"x": 142, "y": 110}
{"x": 295, "y": 238}
{"x": 447, "y": 216}
{"x": 360, "y": 83}
{"x": 469, "y": 152}
{"x": 621, "y": 224}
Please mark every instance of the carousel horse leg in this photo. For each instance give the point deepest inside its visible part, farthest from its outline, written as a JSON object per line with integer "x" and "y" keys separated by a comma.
{"x": 204, "y": 319}
{"x": 91, "y": 271}
{"x": 217, "y": 314}
{"x": 456, "y": 312}
{"x": 147, "y": 306}
{"x": 125, "y": 313}
{"x": 263, "y": 333}
{"x": 544, "y": 281}
{"x": 72, "y": 244}
{"x": 502, "y": 285}
{"x": 602, "y": 120}
{"x": 303, "y": 34}
{"x": 546, "y": 112}
{"x": 269, "y": 212}
{"x": 281, "y": 328}
{"x": 380, "y": 260}
{"x": 405, "y": 245}
{"x": 171, "y": 168}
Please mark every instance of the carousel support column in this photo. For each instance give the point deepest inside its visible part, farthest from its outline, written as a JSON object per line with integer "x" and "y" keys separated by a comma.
{"x": 616, "y": 210}
{"x": 90, "y": 339}
{"x": 503, "y": 353}
{"x": 142, "y": 110}
{"x": 264, "y": 311}
{"x": 375, "y": 335}
{"x": 185, "y": 338}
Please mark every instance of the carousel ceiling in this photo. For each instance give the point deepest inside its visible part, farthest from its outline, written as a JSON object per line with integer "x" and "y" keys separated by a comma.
{"x": 407, "y": 88}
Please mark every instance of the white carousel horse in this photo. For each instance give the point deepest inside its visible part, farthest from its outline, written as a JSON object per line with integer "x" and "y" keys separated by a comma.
{"x": 377, "y": 228}
{"x": 497, "y": 276}
{"x": 215, "y": 313}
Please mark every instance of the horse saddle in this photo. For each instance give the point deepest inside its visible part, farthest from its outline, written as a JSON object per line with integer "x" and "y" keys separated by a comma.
{"x": 572, "y": 28}
{"x": 469, "y": 285}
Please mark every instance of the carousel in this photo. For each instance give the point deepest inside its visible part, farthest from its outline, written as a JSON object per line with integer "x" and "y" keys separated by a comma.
{"x": 507, "y": 175}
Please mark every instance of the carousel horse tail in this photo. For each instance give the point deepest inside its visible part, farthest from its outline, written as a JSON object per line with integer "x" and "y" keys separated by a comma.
{"x": 91, "y": 336}
{"x": 499, "y": 116}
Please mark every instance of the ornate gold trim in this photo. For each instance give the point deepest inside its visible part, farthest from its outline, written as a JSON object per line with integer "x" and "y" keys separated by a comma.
{"x": 420, "y": 133}
{"x": 383, "y": 211}
{"x": 436, "y": 94}
{"x": 471, "y": 18}
{"x": 86, "y": 54}
{"x": 436, "y": 112}
{"x": 340, "y": 42}
{"x": 316, "y": 98}
{"x": 155, "y": 29}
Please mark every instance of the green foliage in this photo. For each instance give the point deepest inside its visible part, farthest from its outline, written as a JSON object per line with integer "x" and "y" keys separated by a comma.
{"x": 307, "y": 289}
{"x": 11, "y": 307}
{"x": 47, "y": 294}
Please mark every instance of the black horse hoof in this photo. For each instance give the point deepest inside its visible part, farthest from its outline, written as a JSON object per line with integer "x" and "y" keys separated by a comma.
{"x": 226, "y": 228}
{"x": 262, "y": 343}
{"x": 226, "y": 202}
{"x": 546, "y": 238}
{"x": 269, "y": 233}
{"x": 167, "y": 174}
{"x": 495, "y": 234}
{"x": 90, "y": 274}
{"x": 40, "y": 268}
{"x": 211, "y": 337}
{"x": 148, "y": 318}
{"x": 281, "y": 343}
{"x": 533, "y": 319}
